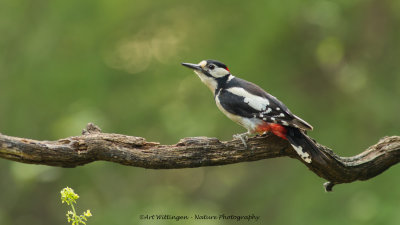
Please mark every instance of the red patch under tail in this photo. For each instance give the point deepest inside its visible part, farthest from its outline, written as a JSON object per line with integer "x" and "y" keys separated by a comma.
{"x": 276, "y": 129}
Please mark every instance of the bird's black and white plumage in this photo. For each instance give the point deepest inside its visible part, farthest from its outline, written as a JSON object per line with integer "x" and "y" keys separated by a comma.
{"x": 253, "y": 108}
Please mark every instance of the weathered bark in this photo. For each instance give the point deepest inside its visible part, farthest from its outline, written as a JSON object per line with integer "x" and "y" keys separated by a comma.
{"x": 196, "y": 152}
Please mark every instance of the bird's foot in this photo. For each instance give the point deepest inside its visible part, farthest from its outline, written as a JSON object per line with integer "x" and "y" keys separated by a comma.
{"x": 243, "y": 137}
{"x": 264, "y": 134}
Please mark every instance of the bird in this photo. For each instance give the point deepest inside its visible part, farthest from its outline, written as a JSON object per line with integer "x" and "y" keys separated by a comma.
{"x": 253, "y": 108}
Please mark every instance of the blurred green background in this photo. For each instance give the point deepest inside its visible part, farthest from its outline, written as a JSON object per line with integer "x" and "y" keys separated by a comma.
{"x": 117, "y": 64}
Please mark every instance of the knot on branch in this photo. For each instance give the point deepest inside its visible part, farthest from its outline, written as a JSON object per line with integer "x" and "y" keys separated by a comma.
{"x": 328, "y": 186}
{"x": 196, "y": 141}
{"x": 91, "y": 128}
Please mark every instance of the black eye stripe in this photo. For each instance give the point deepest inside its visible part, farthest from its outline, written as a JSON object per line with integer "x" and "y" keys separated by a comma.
{"x": 211, "y": 67}
{"x": 216, "y": 63}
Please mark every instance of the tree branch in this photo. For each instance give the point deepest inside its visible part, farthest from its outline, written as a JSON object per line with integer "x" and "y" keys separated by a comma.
{"x": 93, "y": 145}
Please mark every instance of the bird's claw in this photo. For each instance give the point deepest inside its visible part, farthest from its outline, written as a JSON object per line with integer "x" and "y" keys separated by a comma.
{"x": 264, "y": 134}
{"x": 243, "y": 137}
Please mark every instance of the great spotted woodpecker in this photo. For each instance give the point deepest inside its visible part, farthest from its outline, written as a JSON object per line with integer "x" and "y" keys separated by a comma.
{"x": 253, "y": 108}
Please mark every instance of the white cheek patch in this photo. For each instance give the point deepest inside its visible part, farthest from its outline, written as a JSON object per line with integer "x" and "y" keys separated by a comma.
{"x": 254, "y": 101}
{"x": 218, "y": 72}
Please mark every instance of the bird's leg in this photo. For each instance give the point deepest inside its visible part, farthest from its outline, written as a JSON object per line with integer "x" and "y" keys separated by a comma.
{"x": 243, "y": 137}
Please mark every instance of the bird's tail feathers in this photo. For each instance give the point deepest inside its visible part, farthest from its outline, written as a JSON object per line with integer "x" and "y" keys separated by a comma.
{"x": 302, "y": 144}
{"x": 301, "y": 123}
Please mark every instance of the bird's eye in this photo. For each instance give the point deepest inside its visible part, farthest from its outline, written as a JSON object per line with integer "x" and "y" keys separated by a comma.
{"x": 211, "y": 67}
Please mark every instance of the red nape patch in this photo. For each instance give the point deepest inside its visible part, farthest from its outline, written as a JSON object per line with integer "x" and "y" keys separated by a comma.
{"x": 276, "y": 129}
{"x": 227, "y": 69}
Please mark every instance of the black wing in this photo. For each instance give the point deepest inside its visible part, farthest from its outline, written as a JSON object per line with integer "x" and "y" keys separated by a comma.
{"x": 274, "y": 112}
{"x": 236, "y": 105}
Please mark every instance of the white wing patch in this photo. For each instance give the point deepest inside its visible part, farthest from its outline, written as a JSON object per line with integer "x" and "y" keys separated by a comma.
{"x": 254, "y": 101}
{"x": 280, "y": 115}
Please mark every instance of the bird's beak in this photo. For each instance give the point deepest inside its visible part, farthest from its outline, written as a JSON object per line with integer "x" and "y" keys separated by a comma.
{"x": 192, "y": 66}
